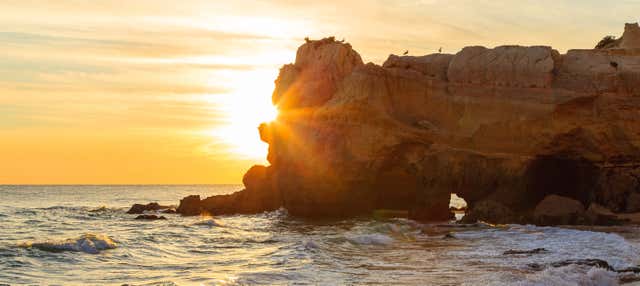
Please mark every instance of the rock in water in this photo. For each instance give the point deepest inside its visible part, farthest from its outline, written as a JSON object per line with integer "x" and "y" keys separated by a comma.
{"x": 150, "y": 217}
{"x": 503, "y": 128}
{"x": 140, "y": 208}
{"x": 532, "y": 251}
{"x": 190, "y": 205}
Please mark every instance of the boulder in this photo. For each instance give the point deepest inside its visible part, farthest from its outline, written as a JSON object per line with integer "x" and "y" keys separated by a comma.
{"x": 140, "y": 208}
{"x": 259, "y": 196}
{"x": 555, "y": 210}
{"x": 150, "y": 217}
{"x": 169, "y": 211}
{"x": 190, "y": 205}
{"x": 532, "y": 251}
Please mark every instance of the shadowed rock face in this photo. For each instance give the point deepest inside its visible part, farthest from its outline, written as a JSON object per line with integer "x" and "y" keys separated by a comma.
{"x": 503, "y": 128}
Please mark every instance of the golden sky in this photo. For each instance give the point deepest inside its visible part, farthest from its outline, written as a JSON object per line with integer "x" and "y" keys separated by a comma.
{"x": 171, "y": 92}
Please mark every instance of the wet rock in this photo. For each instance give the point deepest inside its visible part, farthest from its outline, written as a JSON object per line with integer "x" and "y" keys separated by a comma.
{"x": 140, "y": 208}
{"x": 99, "y": 210}
{"x": 259, "y": 196}
{"x": 532, "y": 251}
{"x": 150, "y": 217}
{"x": 629, "y": 270}
{"x": 190, "y": 205}
{"x": 628, "y": 278}
{"x": 449, "y": 236}
{"x": 586, "y": 262}
{"x": 169, "y": 211}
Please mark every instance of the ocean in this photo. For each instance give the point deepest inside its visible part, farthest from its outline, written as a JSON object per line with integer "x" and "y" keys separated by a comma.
{"x": 81, "y": 235}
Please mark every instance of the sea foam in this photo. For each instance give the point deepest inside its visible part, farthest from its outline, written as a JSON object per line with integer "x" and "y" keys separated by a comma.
{"x": 370, "y": 239}
{"x": 572, "y": 275}
{"x": 209, "y": 222}
{"x": 88, "y": 243}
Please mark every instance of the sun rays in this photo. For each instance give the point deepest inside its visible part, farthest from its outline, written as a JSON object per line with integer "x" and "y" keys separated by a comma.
{"x": 244, "y": 108}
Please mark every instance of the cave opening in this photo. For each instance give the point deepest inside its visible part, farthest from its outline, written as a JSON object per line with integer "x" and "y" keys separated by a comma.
{"x": 458, "y": 206}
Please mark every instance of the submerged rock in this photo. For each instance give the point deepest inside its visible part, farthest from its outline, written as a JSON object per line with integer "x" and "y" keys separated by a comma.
{"x": 522, "y": 134}
{"x": 149, "y": 217}
{"x": 140, "y": 208}
{"x": 532, "y": 251}
{"x": 587, "y": 262}
{"x": 584, "y": 262}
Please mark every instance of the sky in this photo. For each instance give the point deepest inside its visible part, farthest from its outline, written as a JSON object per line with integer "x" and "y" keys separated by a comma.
{"x": 171, "y": 92}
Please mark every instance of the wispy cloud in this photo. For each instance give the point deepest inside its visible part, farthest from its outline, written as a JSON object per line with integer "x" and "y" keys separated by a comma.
{"x": 145, "y": 81}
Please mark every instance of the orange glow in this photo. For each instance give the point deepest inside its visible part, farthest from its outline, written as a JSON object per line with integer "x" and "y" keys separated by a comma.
{"x": 244, "y": 109}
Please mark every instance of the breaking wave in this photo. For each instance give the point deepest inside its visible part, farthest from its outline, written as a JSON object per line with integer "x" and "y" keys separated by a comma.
{"x": 88, "y": 243}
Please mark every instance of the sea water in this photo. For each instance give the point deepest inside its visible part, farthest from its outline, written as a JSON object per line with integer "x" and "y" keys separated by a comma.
{"x": 81, "y": 235}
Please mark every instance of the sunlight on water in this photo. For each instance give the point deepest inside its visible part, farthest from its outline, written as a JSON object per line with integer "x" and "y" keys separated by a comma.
{"x": 45, "y": 238}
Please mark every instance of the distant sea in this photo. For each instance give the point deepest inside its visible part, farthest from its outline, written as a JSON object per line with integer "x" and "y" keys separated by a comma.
{"x": 81, "y": 235}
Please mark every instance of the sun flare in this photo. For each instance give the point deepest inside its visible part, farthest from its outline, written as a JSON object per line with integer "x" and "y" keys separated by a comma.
{"x": 245, "y": 108}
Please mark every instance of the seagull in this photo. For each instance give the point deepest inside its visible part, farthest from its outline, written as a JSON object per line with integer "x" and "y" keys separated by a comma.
{"x": 406, "y": 52}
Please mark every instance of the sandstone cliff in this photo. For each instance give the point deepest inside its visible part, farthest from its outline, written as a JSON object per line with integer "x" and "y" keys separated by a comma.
{"x": 503, "y": 128}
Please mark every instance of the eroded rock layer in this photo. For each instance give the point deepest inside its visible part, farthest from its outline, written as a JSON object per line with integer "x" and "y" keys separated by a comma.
{"x": 503, "y": 128}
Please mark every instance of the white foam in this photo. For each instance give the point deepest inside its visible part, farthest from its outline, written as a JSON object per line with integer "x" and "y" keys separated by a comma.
{"x": 370, "y": 239}
{"x": 572, "y": 275}
{"x": 209, "y": 222}
{"x": 562, "y": 244}
{"x": 310, "y": 244}
{"x": 88, "y": 243}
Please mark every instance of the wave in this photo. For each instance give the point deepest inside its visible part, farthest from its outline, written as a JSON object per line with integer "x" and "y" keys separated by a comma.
{"x": 572, "y": 275}
{"x": 209, "y": 222}
{"x": 88, "y": 243}
{"x": 370, "y": 239}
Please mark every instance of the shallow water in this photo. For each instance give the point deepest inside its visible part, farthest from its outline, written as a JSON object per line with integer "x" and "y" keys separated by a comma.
{"x": 43, "y": 241}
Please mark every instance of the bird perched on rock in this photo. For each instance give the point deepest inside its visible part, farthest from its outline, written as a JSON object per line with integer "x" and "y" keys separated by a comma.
{"x": 440, "y": 50}
{"x": 405, "y": 53}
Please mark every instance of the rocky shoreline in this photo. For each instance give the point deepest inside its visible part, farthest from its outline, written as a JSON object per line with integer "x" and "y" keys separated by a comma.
{"x": 522, "y": 134}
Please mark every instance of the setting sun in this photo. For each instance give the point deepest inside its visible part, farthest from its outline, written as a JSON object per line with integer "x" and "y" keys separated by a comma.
{"x": 244, "y": 108}
{"x": 406, "y": 142}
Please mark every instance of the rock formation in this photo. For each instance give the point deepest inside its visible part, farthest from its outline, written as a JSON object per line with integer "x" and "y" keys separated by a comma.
{"x": 140, "y": 208}
{"x": 502, "y": 128}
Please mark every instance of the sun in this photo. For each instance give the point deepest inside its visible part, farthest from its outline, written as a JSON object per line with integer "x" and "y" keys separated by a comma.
{"x": 244, "y": 109}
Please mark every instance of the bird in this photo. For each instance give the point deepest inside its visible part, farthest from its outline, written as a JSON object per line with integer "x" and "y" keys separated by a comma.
{"x": 406, "y": 52}
{"x": 440, "y": 50}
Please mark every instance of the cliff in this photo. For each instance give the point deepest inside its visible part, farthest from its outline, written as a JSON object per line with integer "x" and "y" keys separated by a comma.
{"x": 513, "y": 130}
